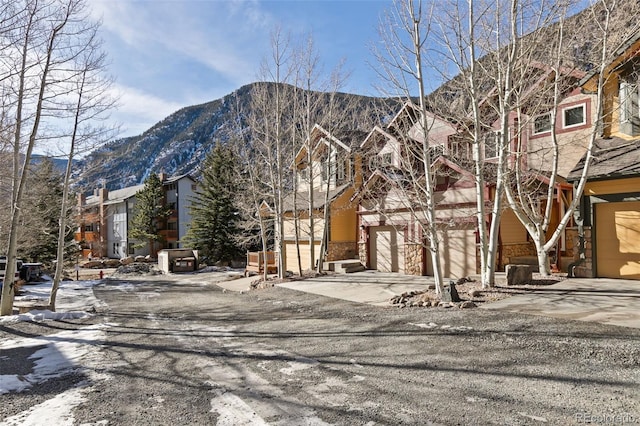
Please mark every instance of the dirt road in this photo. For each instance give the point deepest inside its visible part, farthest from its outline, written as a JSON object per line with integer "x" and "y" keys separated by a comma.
{"x": 185, "y": 352}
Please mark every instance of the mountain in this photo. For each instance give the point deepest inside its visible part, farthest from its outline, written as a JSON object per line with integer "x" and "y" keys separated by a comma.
{"x": 179, "y": 143}
{"x": 60, "y": 164}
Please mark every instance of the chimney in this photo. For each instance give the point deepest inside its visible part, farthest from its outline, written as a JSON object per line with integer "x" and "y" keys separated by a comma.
{"x": 162, "y": 176}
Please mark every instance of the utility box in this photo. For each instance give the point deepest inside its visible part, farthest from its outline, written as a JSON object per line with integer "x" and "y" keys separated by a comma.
{"x": 178, "y": 260}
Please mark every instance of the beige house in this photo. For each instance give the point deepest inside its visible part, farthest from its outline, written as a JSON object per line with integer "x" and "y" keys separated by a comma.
{"x": 325, "y": 179}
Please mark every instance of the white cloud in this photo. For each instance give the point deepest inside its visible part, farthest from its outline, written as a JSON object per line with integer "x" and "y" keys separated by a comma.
{"x": 139, "y": 110}
{"x": 225, "y": 36}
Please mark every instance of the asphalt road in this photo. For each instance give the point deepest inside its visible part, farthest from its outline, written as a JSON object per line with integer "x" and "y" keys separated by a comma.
{"x": 185, "y": 352}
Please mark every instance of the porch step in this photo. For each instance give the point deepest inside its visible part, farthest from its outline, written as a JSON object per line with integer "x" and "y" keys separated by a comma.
{"x": 344, "y": 266}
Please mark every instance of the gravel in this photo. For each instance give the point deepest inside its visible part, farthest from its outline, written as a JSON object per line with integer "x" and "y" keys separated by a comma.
{"x": 185, "y": 352}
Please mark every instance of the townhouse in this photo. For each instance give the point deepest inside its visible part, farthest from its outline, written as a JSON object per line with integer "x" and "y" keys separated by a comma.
{"x": 608, "y": 236}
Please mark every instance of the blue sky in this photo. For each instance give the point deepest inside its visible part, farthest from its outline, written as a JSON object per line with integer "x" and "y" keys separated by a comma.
{"x": 167, "y": 54}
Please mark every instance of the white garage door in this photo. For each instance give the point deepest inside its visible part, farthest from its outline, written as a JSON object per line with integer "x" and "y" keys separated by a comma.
{"x": 618, "y": 240}
{"x": 457, "y": 253}
{"x": 386, "y": 249}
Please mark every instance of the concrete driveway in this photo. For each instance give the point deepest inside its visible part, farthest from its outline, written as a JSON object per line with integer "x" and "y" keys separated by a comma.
{"x": 371, "y": 287}
{"x": 603, "y": 300}
{"x": 607, "y": 301}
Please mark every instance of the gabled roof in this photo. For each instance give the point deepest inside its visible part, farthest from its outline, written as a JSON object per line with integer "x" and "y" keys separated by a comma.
{"x": 612, "y": 158}
{"x": 344, "y": 138}
{"x": 627, "y": 49}
{"x": 302, "y": 198}
{"x": 376, "y": 131}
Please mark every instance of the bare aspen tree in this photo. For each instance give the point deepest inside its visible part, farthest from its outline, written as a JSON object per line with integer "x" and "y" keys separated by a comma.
{"x": 405, "y": 34}
{"x": 268, "y": 124}
{"x": 36, "y": 48}
{"x": 90, "y": 87}
{"x": 599, "y": 22}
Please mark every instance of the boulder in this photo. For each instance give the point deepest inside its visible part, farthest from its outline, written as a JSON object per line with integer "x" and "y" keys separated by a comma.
{"x": 127, "y": 260}
{"x": 112, "y": 263}
{"x": 519, "y": 274}
{"x": 93, "y": 264}
{"x": 467, "y": 304}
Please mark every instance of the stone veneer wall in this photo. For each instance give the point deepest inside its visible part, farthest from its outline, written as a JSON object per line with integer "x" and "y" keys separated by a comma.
{"x": 342, "y": 251}
{"x": 413, "y": 259}
{"x": 516, "y": 250}
{"x": 362, "y": 253}
{"x": 585, "y": 268}
{"x": 571, "y": 242}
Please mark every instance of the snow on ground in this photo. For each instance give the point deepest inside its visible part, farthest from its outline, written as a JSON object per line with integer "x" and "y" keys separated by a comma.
{"x": 54, "y": 355}
{"x": 58, "y": 354}
{"x": 74, "y": 300}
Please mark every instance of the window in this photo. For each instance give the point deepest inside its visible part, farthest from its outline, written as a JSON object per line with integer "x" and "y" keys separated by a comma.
{"x": 343, "y": 170}
{"x": 629, "y": 105}
{"x": 172, "y": 226}
{"x": 304, "y": 174}
{"x": 89, "y": 227}
{"x": 436, "y": 151}
{"x": 386, "y": 159}
{"x": 492, "y": 142}
{"x": 573, "y": 116}
{"x": 542, "y": 124}
{"x": 459, "y": 149}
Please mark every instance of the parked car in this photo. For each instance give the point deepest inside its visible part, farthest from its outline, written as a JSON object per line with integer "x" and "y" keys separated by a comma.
{"x": 31, "y": 272}
{"x": 3, "y": 268}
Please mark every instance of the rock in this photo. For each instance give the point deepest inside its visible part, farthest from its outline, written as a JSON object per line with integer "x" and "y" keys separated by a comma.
{"x": 434, "y": 303}
{"x": 112, "y": 263}
{"x": 127, "y": 260}
{"x": 474, "y": 293}
{"x": 431, "y": 286}
{"x": 139, "y": 259}
{"x": 450, "y": 294}
{"x": 519, "y": 274}
{"x": 92, "y": 264}
{"x": 467, "y": 304}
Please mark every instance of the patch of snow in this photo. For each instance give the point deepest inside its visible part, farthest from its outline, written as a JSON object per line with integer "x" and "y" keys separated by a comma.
{"x": 73, "y": 300}
{"x": 54, "y": 411}
{"x": 233, "y": 411}
{"x": 423, "y": 325}
{"x": 61, "y": 353}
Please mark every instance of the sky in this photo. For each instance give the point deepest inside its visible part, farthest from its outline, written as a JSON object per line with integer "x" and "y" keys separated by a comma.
{"x": 168, "y": 54}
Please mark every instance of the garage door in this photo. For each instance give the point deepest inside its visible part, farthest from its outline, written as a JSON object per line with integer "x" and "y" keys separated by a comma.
{"x": 618, "y": 240}
{"x": 291, "y": 261}
{"x": 457, "y": 253}
{"x": 386, "y": 249}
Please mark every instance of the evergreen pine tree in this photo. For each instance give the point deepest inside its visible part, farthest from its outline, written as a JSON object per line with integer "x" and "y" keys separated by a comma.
{"x": 214, "y": 216}
{"x": 39, "y": 232}
{"x": 149, "y": 211}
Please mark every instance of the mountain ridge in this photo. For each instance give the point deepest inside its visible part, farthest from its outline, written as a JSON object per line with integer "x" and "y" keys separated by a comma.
{"x": 179, "y": 143}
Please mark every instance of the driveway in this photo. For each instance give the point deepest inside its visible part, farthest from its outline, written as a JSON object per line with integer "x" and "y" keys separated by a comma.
{"x": 370, "y": 287}
{"x": 603, "y": 300}
{"x": 607, "y": 301}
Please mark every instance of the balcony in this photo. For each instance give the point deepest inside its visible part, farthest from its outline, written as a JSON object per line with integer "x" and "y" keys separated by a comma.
{"x": 169, "y": 234}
